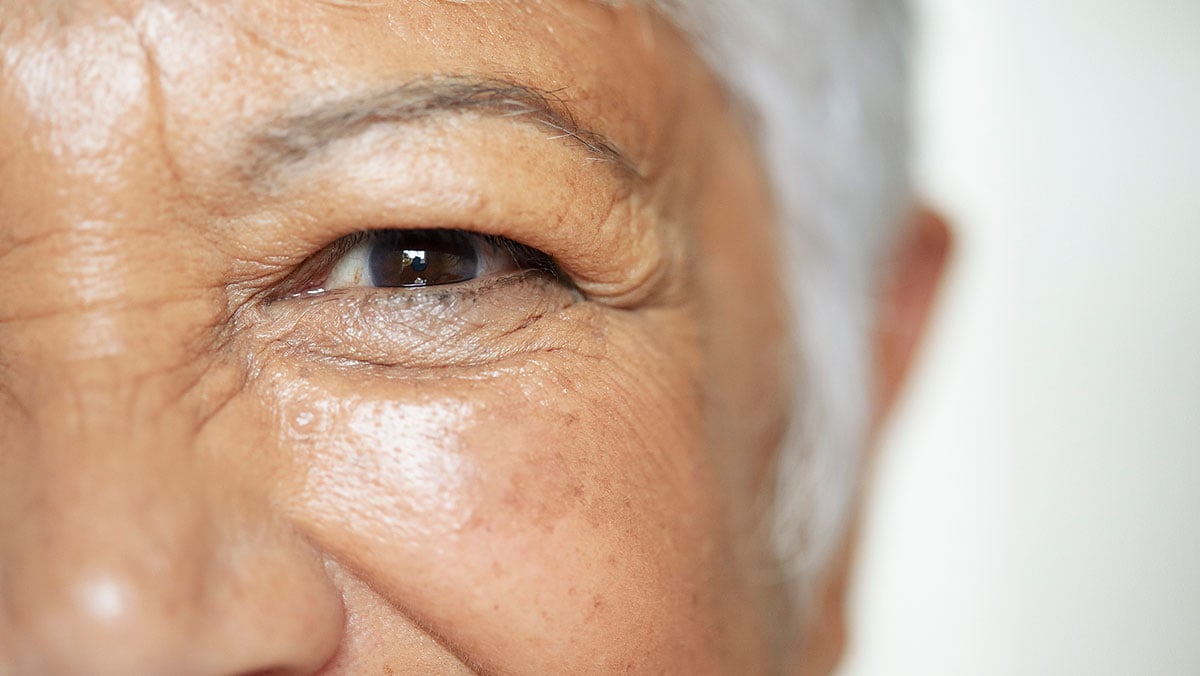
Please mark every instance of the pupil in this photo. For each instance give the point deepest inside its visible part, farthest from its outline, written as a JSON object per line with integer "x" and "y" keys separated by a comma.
{"x": 418, "y": 261}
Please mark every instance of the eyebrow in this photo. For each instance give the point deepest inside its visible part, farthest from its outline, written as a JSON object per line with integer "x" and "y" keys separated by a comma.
{"x": 294, "y": 137}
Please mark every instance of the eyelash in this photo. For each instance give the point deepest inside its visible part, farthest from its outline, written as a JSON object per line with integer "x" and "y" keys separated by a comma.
{"x": 412, "y": 258}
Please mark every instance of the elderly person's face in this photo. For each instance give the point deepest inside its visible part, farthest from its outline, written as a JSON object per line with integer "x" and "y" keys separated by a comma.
{"x": 380, "y": 341}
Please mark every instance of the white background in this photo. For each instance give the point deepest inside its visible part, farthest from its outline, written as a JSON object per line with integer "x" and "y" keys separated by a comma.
{"x": 1037, "y": 508}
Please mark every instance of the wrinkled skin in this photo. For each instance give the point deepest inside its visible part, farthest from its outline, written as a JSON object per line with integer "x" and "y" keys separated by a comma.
{"x": 203, "y": 474}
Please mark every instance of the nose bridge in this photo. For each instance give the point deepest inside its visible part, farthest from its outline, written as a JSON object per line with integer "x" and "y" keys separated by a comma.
{"x": 103, "y": 515}
{"x": 121, "y": 416}
{"x": 107, "y": 516}
{"x": 133, "y": 539}
{"x": 102, "y": 423}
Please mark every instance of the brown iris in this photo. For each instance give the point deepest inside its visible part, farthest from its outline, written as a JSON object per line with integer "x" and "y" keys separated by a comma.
{"x": 414, "y": 258}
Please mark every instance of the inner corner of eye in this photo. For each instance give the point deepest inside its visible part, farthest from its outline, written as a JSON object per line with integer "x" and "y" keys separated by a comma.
{"x": 348, "y": 268}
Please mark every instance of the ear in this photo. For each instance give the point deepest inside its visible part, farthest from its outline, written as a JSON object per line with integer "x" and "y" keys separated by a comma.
{"x": 906, "y": 296}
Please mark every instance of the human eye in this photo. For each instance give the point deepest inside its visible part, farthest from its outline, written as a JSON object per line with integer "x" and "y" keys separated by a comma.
{"x": 420, "y": 298}
{"x": 416, "y": 259}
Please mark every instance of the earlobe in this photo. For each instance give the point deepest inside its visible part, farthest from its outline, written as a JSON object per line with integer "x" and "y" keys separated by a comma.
{"x": 907, "y": 292}
{"x": 824, "y": 639}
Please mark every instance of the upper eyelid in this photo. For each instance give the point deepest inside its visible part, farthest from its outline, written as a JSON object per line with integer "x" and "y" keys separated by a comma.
{"x": 609, "y": 237}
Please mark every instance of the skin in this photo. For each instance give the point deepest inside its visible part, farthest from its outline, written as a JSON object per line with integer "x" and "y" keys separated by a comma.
{"x": 201, "y": 474}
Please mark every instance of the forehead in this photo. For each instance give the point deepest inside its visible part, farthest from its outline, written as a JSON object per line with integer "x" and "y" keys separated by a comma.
{"x": 224, "y": 62}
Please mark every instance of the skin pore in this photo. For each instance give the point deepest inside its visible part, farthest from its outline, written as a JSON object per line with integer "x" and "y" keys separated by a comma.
{"x": 204, "y": 471}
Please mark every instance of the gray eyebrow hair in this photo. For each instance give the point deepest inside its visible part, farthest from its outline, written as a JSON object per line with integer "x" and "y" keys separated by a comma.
{"x": 294, "y": 137}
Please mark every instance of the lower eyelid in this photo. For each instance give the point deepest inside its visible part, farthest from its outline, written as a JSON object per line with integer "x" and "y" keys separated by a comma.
{"x": 473, "y": 323}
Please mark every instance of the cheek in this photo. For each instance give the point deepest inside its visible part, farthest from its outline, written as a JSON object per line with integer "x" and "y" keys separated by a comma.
{"x": 558, "y": 507}
{"x": 387, "y": 469}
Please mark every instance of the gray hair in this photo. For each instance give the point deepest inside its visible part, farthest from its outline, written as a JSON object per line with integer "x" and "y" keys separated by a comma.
{"x": 825, "y": 81}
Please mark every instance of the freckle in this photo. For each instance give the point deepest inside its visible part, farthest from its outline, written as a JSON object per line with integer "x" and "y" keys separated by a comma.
{"x": 497, "y": 569}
